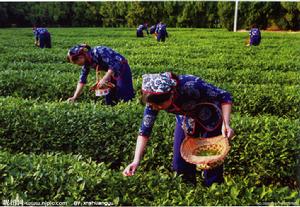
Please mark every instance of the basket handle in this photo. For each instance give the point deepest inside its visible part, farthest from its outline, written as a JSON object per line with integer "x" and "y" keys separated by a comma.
{"x": 224, "y": 124}
{"x": 98, "y": 77}
{"x": 220, "y": 111}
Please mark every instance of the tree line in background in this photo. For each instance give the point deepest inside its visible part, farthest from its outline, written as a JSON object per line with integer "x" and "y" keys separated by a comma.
{"x": 278, "y": 15}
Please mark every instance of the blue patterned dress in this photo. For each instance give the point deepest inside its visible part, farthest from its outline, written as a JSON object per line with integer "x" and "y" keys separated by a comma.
{"x": 105, "y": 58}
{"x": 161, "y": 30}
{"x": 139, "y": 30}
{"x": 43, "y": 36}
{"x": 197, "y": 106}
{"x": 255, "y": 36}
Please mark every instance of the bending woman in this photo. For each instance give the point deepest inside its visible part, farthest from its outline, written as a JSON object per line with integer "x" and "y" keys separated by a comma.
{"x": 199, "y": 108}
{"x": 103, "y": 59}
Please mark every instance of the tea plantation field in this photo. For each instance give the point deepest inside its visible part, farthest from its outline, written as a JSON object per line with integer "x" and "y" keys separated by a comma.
{"x": 51, "y": 150}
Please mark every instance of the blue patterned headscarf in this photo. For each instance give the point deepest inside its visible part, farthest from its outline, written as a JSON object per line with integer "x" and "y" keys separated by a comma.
{"x": 158, "y": 83}
{"x": 78, "y": 50}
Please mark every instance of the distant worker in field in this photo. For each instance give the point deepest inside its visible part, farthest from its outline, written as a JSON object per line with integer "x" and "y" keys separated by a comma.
{"x": 115, "y": 66}
{"x": 140, "y": 29}
{"x": 42, "y": 37}
{"x": 161, "y": 32}
{"x": 201, "y": 109}
{"x": 255, "y": 36}
{"x": 152, "y": 29}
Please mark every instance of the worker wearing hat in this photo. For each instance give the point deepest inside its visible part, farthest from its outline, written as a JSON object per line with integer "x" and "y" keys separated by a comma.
{"x": 42, "y": 37}
{"x": 161, "y": 32}
{"x": 255, "y": 36}
{"x": 199, "y": 108}
{"x": 101, "y": 58}
{"x": 139, "y": 30}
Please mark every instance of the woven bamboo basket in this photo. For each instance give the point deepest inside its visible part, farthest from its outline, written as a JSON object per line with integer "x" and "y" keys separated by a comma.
{"x": 205, "y": 153}
{"x": 104, "y": 90}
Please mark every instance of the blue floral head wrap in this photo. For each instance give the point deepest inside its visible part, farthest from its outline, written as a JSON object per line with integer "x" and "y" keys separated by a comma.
{"x": 78, "y": 50}
{"x": 158, "y": 83}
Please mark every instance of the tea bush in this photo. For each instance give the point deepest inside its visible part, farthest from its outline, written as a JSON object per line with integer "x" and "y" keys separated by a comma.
{"x": 274, "y": 99}
{"x": 95, "y": 131}
{"x": 70, "y": 178}
{"x": 51, "y": 150}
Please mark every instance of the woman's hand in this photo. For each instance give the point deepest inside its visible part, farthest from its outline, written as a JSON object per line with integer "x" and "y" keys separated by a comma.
{"x": 101, "y": 83}
{"x": 141, "y": 143}
{"x": 106, "y": 78}
{"x": 227, "y": 131}
{"x": 71, "y": 99}
{"x": 130, "y": 169}
{"x": 77, "y": 93}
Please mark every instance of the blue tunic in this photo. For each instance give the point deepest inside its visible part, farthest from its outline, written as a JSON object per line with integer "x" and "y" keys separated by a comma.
{"x": 39, "y": 31}
{"x": 255, "y": 36}
{"x": 152, "y": 29}
{"x": 141, "y": 28}
{"x": 197, "y": 108}
{"x": 43, "y": 36}
{"x": 106, "y": 58}
{"x": 197, "y": 104}
{"x": 161, "y": 30}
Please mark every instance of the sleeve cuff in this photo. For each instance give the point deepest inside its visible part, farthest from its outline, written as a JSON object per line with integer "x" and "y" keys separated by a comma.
{"x": 146, "y": 137}
{"x": 226, "y": 103}
{"x": 143, "y": 135}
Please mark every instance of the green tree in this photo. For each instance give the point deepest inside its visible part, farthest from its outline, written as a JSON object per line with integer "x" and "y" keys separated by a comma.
{"x": 292, "y": 15}
{"x": 3, "y": 14}
{"x": 226, "y": 13}
{"x": 286, "y": 15}
{"x": 260, "y": 13}
{"x": 172, "y": 10}
{"x": 198, "y": 14}
{"x": 113, "y": 13}
{"x": 136, "y": 14}
{"x": 17, "y": 13}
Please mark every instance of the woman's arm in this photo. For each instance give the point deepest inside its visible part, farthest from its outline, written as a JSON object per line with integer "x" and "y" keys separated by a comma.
{"x": 77, "y": 92}
{"x": 139, "y": 151}
{"x": 106, "y": 77}
{"x": 144, "y": 134}
{"x": 36, "y": 40}
{"x": 226, "y": 129}
{"x": 141, "y": 143}
{"x": 82, "y": 81}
